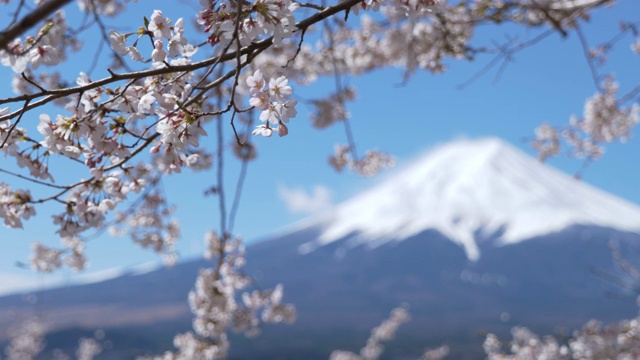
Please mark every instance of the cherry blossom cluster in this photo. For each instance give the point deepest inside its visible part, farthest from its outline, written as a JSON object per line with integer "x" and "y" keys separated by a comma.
{"x": 88, "y": 349}
{"x": 369, "y": 165}
{"x": 384, "y": 332}
{"x": 607, "y": 116}
{"x": 557, "y": 14}
{"x": 438, "y": 353}
{"x": 81, "y": 213}
{"x": 393, "y": 40}
{"x": 46, "y": 259}
{"x": 216, "y": 307}
{"x": 27, "y": 341}
{"x": 547, "y": 141}
{"x": 15, "y": 206}
{"x": 273, "y": 100}
{"x": 151, "y": 225}
{"x": 604, "y": 120}
{"x": 160, "y": 29}
{"x": 593, "y": 341}
{"x": 329, "y": 110}
{"x": 87, "y": 206}
{"x": 225, "y": 21}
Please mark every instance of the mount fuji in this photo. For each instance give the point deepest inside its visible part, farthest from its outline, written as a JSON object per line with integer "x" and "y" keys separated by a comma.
{"x": 473, "y": 189}
{"x": 474, "y": 236}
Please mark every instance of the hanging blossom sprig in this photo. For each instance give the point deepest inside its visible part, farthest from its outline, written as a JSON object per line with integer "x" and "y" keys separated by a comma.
{"x": 273, "y": 100}
{"x": 605, "y": 119}
{"x": 221, "y": 303}
{"x": 384, "y": 332}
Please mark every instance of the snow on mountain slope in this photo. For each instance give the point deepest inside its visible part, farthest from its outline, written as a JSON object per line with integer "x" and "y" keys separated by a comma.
{"x": 475, "y": 186}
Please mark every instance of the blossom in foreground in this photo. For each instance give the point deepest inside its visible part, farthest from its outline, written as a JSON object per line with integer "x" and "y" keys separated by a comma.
{"x": 274, "y": 102}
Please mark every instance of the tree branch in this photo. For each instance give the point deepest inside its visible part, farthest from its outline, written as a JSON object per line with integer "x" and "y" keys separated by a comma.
{"x": 29, "y": 21}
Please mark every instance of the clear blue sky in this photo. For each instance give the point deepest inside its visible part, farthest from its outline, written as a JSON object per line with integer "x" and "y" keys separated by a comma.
{"x": 546, "y": 83}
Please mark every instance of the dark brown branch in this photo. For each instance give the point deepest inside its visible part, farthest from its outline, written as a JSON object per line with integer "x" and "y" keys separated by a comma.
{"x": 30, "y": 20}
{"x": 588, "y": 57}
{"x": 297, "y": 49}
{"x": 312, "y": 6}
{"x": 17, "y": 13}
{"x": 235, "y": 132}
{"x": 26, "y": 78}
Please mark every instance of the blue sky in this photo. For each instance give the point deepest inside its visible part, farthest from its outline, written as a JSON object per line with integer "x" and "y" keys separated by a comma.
{"x": 546, "y": 83}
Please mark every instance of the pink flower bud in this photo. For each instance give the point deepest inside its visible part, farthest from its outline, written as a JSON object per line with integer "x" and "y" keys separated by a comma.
{"x": 283, "y": 130}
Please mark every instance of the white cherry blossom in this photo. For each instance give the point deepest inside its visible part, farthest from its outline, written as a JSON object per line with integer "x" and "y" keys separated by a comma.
{"x": 160, "y": 26}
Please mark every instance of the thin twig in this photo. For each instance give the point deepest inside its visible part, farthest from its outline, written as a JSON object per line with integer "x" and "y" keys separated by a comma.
{"x": 297, "y": 49}
{"x": 339, "y": 89}
{"x": 13, "y": 126}
{"x": 240, "y": 183}
{"x": 35, "y": 181}
{"x": 588, "y": 57}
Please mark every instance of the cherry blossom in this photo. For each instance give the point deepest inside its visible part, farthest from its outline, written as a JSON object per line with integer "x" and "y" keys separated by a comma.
{"x": 547, "y": 141}
{"x": 87, "y": 349}
{"x": 45, "y": 54}
{"x": 133, "y": 53}
{"x": 118, "y": 42}
{"x": 27, "y": 341}
{"x": 160, "y": 26}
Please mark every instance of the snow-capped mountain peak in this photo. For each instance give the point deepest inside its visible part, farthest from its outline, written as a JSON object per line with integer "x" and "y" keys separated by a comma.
{"x": 471, "y": 187}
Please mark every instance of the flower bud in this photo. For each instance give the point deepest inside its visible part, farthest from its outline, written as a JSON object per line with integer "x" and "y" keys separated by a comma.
{"x": 282, "y": 130}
